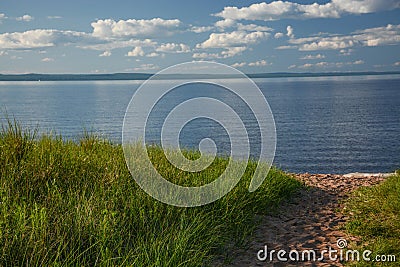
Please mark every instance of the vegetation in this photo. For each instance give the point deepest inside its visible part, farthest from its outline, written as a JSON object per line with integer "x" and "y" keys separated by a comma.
{"x": 375, "y": 217}
{"x": 65, "y": 202}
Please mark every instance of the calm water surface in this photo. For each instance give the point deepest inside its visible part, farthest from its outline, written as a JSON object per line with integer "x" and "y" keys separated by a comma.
{"x": 324, "y": 125}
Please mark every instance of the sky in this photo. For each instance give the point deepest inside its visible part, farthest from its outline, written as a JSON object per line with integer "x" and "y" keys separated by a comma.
{"x": 44, "y": 36}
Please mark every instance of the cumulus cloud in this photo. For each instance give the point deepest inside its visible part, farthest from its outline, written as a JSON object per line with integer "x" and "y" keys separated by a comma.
{"x": 397, "y": 64}
{"x": 318, "y": 56}
{"x": 226, "y": 23}
{"x": 114, "y": 44}
{"x": 3, "y": 53}
{"x": 228, "y": 52}
{"x": 232, "y": 43}
{"x": 105, "y": 54}
{"x": 387, "y": 35}
{"x": 231, "y": 39}
{"x": 173, "y": 48}
{"x": 289, "y": 30}
{"x": 324, "y": 64}
{"x": 252, "y": 27}
{"x": 278, "y": 35}
{"x": 25, "y": 17}
{"x": 136, "y": 52}
{"x": 282, "y": 9}
{"x": 38, "y": 39}
{"x": 204, "y": 55}
{"x": 155, "y": 27}
{"x": 47, "y": 59}
{"x": 283, "y": 47}
{"x": 232, "y": 51}
{"x": 365, "y": 6}
{"x": 345, "y": 52}
{"x": 259, "y": 63}
{"x": 239, "y": 64}
{"x": 153, "y": 54}
{"x": 358, "y": 62}
{"x": 200, "y": 29}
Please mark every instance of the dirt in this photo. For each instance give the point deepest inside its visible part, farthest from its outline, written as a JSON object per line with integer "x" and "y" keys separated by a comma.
{"x": 311, "y": 220}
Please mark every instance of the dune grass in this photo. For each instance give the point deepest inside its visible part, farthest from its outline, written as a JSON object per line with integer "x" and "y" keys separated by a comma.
{"x": 375, "y": 217}
{"x": 74, "y": 203}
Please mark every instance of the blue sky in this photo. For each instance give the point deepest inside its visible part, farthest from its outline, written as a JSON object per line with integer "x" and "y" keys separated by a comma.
{"x": 147, "y": 36}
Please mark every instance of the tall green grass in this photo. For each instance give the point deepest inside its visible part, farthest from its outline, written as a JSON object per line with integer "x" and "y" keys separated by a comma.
{"x": 65, "y": 203}
{"x": 375, "y": 217}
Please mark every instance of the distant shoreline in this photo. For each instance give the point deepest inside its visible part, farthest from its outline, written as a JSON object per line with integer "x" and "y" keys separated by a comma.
{"x": 145, "y": 76}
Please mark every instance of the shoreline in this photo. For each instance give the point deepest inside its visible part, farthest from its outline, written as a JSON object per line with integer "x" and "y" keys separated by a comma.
{"x": 346, "y": 175}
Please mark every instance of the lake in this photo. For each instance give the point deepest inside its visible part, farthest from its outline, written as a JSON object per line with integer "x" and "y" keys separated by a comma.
{"x": 323, "y": 124}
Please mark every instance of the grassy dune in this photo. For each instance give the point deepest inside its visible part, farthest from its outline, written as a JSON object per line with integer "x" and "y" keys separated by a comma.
{"x": 375, "y": 217}
{"x": 66, "y": 203}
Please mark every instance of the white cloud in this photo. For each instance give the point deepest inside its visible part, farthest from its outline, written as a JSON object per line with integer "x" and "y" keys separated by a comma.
{"x": 232, "y": 51}
{"x": 231, "y": 39}
{"x": 226, "y": 23}
{"x": 39, "y": 39}
{"x": 283, "y": 47}
{"x": 365, "y": 6}
{"x": 3, "y": 53}
{"x": 278, "y": 35}
{"x": 237, "y": 64}
{"x": 54, "y": 17}
{"x": 346, "y": 52}
{"x": 387, "y": 35}
{"x": 397, "y": 64}
{"x": 25, "y": 17}
{"x": 137, "y": 51}
{"x": 259, "y": 63}
{"x": 204, "y": 55}
{"x": 289, "y": 30}
{"x": 230, "y": 23}
{"x": 276, "y": 10}
{"x": 200, "y": 29}
{"x": 105, "y": 54}
{"x": 155, "y": 27}
{"x": 324, "y": 64}
{"x": 173, "y": 48}
{"x": 153, "y": 54}
{"x": 292, "y": 66}
{"x": 317, "y": 56}
{"x": 114, "y": 44}
{"x": 2, "y": 16}
{"x": 47, "y": 59}
{"x": 232, "y": 43}
{"x": 306, "y": 66}
{"x": 252, "y": 28}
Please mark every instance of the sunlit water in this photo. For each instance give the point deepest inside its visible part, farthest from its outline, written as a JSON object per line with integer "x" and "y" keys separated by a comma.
{"x": 324, "y": 125}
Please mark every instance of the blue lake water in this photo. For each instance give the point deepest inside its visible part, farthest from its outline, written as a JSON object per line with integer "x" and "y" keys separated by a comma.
{"x": 323, "y": 124}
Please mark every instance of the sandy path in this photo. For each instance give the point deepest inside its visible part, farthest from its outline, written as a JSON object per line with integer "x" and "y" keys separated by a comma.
{"x": 311, "y": 220}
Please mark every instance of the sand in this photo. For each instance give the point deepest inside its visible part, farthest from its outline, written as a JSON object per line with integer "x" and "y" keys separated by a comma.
{"x": 311, "y": 220}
